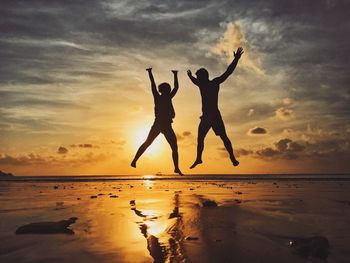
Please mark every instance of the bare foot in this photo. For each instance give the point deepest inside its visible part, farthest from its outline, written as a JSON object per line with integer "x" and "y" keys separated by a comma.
{"x": 195, "y": 163}
{"x": 235, "y": 162}
{"x": 133, "y": 164}
{"x": 178, "y": 171}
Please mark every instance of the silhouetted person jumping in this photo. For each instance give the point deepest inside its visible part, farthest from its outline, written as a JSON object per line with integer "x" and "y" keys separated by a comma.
{"x": 164, "y": 113}
{"x": 211, "y": 117}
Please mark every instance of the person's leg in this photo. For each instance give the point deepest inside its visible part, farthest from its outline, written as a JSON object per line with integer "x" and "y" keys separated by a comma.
{"x": 203, "y": 129}
{"x": 171, "y": 138}
{"x": 228, "y": 146}
{"x": 153, "y": 133}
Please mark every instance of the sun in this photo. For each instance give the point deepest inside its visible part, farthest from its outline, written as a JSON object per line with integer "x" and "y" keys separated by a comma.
{"x": 140, "y": 136}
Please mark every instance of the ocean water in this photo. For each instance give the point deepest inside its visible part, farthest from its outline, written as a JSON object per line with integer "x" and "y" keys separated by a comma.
{"x": 196, "y": 177}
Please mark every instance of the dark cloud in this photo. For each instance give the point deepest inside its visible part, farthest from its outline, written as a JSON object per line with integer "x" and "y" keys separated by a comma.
{"x": 186, "y": 133}
{"x": 21, "y": 160}
{"x": 242, "y": 152}
{"x": 238, "y": 152}
{"x": 267, "y": 152}
{"x": 84, "y": 145}
{"x": 181, "y": 137}
{"x": 62, "y": 150}
{"x": 36, "y": 159}
{"x": 284, "y": 149}
{"x": 257, "y": 130}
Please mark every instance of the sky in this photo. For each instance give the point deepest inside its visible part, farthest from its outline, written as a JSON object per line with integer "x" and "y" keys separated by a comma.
{"x": 76, "y": 99}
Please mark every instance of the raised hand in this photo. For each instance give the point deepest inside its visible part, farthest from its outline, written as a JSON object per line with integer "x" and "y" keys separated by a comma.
{"x": 149, "y": 69}
{"x": 174, "y": 71}
{"x": 238, "y": 53}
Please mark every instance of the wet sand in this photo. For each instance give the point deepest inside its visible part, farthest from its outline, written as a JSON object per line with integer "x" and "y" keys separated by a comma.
{"x": 165, "y": 220}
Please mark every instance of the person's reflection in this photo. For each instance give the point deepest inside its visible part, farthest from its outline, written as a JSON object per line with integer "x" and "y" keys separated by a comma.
{"x": 173, "y": 251}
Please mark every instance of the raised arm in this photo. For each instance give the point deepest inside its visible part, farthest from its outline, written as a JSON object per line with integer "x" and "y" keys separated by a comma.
{"x": 153, "y": 83}
{"x": 231, "y": 67}
{"x": 193, "y": 79}
{"x": 176, "y": 84}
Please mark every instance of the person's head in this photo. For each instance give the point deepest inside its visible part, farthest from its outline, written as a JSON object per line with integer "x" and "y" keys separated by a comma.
{"x": 164, "y": 88}
{"x": 202, "y": 75}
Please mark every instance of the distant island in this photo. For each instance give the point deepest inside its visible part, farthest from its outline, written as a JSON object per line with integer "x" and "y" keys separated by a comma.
{"x": 3, "y": 174}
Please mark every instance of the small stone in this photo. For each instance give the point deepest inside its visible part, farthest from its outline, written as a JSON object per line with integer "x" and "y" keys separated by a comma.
{"x": 191, "y": 238}
{"x": 315, "y": 247}
{"x": 209, "y": 203}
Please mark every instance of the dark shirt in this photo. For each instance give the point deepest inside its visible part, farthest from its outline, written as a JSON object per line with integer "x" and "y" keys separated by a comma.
{"x": 163, "y": 109}
{"x": 210, "y": 93}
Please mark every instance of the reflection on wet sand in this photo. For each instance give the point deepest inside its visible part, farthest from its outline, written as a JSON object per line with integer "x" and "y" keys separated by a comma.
{"x": 167, "y": 229}
{"x": 177, "y": 221}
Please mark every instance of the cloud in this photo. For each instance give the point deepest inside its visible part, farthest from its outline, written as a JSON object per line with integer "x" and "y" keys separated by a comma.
{"x": 325, "y": 148}
{"x": 84, "y": 145}
{"x": 183, "y": 136}
{"x": 284, "y": 149}
{"x": 257, "y": 131}
{"x": 238, "y": 152}
{"x": 267, "y": 152}
{"x": 20, "y": 160}
{"x": 287, "y": 101}
{"x": 233, "y": 38}
{"x": 284, "y": 114}
{"x": 186, "y": 133}
{"x": 36, "y": 159}
{"x": 62, "y": 150}
{"x": 250, "y": 112}
{"x": 242, "y": 152}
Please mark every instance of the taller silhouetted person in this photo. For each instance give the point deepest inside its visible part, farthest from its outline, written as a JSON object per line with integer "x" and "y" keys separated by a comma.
{"x": 211, "y": 117}
{"x": 164, "y": 114}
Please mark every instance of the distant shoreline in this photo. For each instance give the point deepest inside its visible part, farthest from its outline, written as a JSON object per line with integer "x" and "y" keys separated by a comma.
{"x": 197, "y": 177}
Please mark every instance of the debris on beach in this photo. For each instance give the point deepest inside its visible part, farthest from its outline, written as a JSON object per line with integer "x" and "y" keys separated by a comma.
{"x": 59, "y": 227}
{"x": 314, "y": 247}
{"x": 238, "y": 193}
{"x": 209, "y": 203}
{"x": 93, "y": 196}
{"x": 113, "y": 196}
{"x": 191, "y": 238}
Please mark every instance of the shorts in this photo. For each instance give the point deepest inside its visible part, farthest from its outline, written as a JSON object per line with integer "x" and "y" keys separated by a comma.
{"x": 162, "y": 126}
{"x": 215, "y": 122}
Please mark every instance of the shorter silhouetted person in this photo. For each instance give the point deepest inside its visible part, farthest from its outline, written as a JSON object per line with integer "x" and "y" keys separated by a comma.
{"x": 211, "y": 117}
{"x": 164, "y": 114}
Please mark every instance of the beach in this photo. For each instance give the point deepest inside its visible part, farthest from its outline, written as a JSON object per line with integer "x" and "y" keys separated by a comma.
{"x": 159, "y": 219}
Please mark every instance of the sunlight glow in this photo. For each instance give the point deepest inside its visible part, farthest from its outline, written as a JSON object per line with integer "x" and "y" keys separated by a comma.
{"x": 148, "y": 183}
{"x": 156, "y": 228}
{"x": 140, "y": 136}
